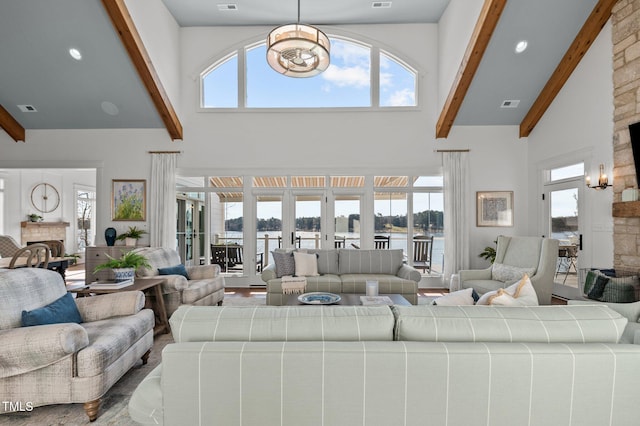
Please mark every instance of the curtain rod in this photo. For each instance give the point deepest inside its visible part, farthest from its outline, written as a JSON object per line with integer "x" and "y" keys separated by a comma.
{"x": 451, "y": 150}
{"x": 164, "y": 152}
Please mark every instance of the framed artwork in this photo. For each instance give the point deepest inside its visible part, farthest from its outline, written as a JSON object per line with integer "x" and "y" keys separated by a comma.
{"x": 494, "y": 208}
{"x": 129, "y": 199}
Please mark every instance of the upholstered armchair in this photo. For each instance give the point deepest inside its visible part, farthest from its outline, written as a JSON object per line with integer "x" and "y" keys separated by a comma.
{"x": 535, "y": 256}
{"x": 8, "y": 246}
{"x": 76, "y": 361}
{"x": 184, "y": 285}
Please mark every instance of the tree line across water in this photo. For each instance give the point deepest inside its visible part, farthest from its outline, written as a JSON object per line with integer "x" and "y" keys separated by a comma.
{"x": 430, "y": 220}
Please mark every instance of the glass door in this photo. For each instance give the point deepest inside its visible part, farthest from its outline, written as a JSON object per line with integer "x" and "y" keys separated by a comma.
{"x": 346, "y": 213}
{"x": 308, "y": 221}
{"x": 268, "y": 227}
{"x": 562, "y": 195}
{"x": 190, "y": 231}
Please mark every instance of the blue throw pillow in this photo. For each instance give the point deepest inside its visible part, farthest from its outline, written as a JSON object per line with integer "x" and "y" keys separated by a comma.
{"x": 174, "y": 270}
{"x": 62, "y": 310}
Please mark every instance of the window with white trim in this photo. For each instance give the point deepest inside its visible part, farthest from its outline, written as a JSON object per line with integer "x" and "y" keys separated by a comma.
{"x": 347, "y": 83}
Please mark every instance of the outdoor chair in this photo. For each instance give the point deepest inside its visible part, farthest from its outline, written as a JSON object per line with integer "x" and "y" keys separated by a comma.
{"x": 339, "y": 242}
{"x": 232, "y": 255}
{"x": 422, "y": 250}
{"x": 381, "y": 242}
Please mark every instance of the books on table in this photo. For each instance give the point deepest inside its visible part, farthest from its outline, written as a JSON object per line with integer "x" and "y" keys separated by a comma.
{"x": 376, "y": 300}
{"x": 110, "y": 285}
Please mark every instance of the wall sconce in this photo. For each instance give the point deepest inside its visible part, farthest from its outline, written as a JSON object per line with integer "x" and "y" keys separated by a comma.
{"x": 603, "y": 181}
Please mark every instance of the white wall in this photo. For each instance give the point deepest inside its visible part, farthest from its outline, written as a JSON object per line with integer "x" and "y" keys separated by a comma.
{"x": 454, "y": 31}
{"x": 497, "y": 162}
{"x": 19, "y": 184}
{"x": 160, "y": 34}
{"x": 579, "y": 123}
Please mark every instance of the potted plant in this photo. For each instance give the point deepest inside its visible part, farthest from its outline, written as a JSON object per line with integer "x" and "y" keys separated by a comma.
{"x": 131, "y": 236}
{"x": 35, "y": 217}
{"x": 124, "y": 267}
{"x": 489, "y": 253}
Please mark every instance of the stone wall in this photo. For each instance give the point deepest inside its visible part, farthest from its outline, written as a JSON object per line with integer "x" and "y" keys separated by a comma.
{"x": 626, "y": 86}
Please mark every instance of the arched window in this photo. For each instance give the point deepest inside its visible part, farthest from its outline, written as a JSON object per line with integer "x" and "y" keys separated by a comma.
{"x": 347, "y": 83}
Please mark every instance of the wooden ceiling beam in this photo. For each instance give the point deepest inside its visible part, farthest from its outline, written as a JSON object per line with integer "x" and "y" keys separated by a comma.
{"x": 486, "y": 24}
{"x": 11, "y": 125}
{"x": 585, "y": 38}
{"x": 123, "y": 24}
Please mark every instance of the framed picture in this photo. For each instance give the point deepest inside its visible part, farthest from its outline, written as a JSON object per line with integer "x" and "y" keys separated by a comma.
{"x": 494, "y": 208}
{"x": 129, "y": 199}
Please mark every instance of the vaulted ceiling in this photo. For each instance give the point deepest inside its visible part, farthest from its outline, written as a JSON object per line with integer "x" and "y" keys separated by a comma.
{"x": 116, "y": 74}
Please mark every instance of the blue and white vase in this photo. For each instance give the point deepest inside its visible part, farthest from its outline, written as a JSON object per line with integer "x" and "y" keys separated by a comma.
{"x": 124, "y": 274}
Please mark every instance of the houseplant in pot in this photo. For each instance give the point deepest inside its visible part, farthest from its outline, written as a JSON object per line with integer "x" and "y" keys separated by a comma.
{"x": 124, "y": 267}
{"x": 131, "y": 236}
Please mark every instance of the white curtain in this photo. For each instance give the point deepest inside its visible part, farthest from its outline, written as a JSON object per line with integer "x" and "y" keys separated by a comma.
{"x": 456, "y": 213}
{"x": 163, "y": 200}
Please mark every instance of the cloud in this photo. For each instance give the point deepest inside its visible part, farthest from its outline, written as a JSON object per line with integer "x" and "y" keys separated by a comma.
{"x": 386, "y": 79}
{"x": 347, "y": 76}
{"x": 350, "y": 54}
{"x": 404, "y": 97}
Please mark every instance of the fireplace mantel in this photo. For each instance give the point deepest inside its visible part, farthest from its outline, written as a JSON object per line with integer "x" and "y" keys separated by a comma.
{"x": 626, "y": 209}
{"x": 27, "y": 224}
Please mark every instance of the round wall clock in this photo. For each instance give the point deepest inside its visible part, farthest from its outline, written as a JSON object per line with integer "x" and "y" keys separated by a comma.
{"x": 45, "y": 197}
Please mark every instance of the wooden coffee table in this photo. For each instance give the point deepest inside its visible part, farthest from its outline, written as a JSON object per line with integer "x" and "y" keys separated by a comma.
{"x": 349, "y": 299}
{"x": 140, "y": 284}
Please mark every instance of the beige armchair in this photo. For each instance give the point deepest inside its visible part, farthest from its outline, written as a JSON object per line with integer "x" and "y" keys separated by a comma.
{"x": 538, "y": 256}
{"x": 204, "y": 285}
{"x": 68, "y": 362}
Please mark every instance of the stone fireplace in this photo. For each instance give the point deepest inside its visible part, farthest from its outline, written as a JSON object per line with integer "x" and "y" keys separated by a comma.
{"x": 43, "y": 231}
{"x": 626, "y": 98}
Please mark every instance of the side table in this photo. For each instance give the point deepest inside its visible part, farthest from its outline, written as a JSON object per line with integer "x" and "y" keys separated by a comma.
{"x": 152, "y": 285}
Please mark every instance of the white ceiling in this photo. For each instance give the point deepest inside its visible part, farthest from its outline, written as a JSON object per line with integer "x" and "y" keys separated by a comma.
{"x": 36, "y": 69}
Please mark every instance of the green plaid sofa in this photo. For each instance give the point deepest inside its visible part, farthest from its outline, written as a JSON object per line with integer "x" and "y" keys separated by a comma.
{"x": 347, "y": 270}
{"x": 381, "y": 366}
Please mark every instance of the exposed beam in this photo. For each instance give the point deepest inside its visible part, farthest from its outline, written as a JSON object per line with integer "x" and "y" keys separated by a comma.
{"x": 588, "y": 33}
{"x": 487, "y": 21}
{"x": 11, "y": 125}
{"x": 122, "y": 22}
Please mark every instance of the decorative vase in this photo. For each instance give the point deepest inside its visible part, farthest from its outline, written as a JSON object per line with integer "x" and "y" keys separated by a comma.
{"x": 124, "y": 274}
{"x": 130, "y": 241}
{"x": 110, "y": 236}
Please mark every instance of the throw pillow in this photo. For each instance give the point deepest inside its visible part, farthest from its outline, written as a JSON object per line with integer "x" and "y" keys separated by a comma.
{"x": 60, "y": 311}
{"x": 457, "y": 298}
{"x": 306, "y": 264}
{"x": 174, "y": 270}
{"x": 521, "y": 293}
{"x": 597, "y": 290}
{"x": 285, "y": 264}
{"x": 508, "y": 273}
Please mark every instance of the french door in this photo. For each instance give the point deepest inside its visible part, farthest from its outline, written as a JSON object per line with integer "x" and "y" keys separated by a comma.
{"x": 190, "y": 231}
{"x": 563, "y": 222}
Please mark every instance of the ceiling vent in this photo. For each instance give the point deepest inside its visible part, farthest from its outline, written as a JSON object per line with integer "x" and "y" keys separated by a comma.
{"x": 510, "y": 104}
{"x": 381, "y": 4}
{"x": 27, "y": 108}
{"x": 228, "y": 6}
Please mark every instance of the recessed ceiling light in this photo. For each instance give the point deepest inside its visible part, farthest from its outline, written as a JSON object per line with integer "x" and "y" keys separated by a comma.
{"x": 521, "y": 46}
{"x": 381, "y": 4}
{"x": 109, "y": 108}
{"x": 75, "y": 54}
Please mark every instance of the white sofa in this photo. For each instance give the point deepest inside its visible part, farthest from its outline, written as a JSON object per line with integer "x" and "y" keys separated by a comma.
{"x": 376, "y": 366}
{"x": 347, "y": 270}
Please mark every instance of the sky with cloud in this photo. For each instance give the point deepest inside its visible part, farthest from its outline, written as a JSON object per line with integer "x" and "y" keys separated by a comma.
{"x": 346, "y": 83}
